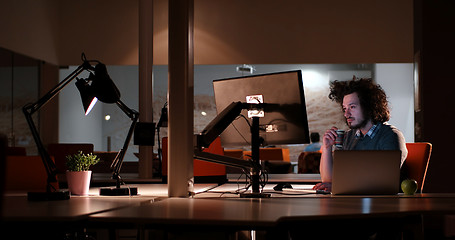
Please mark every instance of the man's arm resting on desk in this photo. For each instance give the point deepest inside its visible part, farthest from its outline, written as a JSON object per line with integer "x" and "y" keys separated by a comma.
{"x": 326, "y": 171}
{"x": 325, "y": 167}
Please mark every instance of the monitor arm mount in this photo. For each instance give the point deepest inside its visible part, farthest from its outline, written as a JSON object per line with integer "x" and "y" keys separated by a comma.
{"x": 216, "y": 127}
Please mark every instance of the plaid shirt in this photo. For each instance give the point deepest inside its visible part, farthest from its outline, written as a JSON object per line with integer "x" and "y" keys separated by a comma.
{"x": 371, "y": 133}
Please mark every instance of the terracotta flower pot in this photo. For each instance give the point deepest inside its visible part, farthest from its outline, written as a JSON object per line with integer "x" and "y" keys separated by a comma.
{"x": 78, "y": 182}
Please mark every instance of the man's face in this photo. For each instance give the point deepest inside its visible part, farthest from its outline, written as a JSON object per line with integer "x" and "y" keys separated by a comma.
{"x": 353, "y": 111}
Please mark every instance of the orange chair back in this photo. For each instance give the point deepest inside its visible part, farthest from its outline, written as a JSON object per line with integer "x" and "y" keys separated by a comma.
{"x": 15, "y": 151}
{"x": 3, "y": 146}
{"x": 417, "y": 161}
{"x": 25, "y": 173}
{"x": 309, "y": 162}
{"x": 200, "y": 168}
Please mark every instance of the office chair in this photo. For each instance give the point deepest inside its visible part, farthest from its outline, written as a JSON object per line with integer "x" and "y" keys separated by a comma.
{"x": 204, "y": 172}
{"x": 309, "y": 162}
{"x": 3, "y": 146}
{"x": 417, "y": 161}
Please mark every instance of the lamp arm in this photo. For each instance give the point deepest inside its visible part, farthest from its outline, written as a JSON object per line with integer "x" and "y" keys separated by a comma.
{"x": 128, "y": 111}
{"x": 31, "y": 108}
{"x": 49, "y": 165}
{"x": 118, "y": 161}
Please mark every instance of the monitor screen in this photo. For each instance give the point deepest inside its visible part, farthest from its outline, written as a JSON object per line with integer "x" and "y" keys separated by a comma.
{"x": 284, "y": 123}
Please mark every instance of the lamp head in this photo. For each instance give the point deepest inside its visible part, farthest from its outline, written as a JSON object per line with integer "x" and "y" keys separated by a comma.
{"x": 103, "y": 87}
{"x": 98, "y": 86}
{"x": 87, "y": 96}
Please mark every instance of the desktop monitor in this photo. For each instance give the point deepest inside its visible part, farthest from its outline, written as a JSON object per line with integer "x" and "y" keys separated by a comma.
{"x": 284, "y": 122}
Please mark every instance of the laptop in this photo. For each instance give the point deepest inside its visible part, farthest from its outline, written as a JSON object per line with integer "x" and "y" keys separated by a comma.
{"x": 366, "y": 172}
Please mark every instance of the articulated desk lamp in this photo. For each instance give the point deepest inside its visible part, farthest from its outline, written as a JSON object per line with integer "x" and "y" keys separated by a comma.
{"x": 101, "y": 88}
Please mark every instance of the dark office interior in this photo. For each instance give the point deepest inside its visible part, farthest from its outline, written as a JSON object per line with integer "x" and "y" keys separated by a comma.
{"x": 48, "y": 36}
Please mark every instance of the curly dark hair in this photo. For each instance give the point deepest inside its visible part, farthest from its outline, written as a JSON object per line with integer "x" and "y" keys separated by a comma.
{"x": 373, "y": 99}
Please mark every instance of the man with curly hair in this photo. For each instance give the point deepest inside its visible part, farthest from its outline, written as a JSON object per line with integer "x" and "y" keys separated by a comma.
{"x": 366, "y": 110}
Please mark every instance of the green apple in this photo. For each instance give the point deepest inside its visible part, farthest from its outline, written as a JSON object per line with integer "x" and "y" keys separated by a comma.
{"x": 409, "y": 186}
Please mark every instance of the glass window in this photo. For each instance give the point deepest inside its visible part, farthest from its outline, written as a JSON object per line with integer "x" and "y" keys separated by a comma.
{"x": 108, "y": 125}
{"x": 19, "y": 85}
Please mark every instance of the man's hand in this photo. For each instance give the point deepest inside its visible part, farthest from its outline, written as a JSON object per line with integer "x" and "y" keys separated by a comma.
{"x": 326, "y": 186}
{"x": 329, "y": 137}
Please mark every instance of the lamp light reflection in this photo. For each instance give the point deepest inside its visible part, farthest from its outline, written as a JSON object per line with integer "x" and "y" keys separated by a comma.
{"x": 92, "y": 104}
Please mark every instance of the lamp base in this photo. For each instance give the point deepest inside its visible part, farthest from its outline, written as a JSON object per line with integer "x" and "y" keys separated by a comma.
{"x": 48, "y": 196}
{"x": 255, "y": 195}
{"x": 131, "y": 191}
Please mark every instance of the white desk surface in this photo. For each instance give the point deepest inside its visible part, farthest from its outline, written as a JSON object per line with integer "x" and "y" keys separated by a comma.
{"x": 155, "y": 190}
{"x": 289, "y": 177}
{"x": 231, "y": 190}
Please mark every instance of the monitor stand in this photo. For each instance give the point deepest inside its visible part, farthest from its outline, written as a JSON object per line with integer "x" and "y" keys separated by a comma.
{"x": 255, "y": 175}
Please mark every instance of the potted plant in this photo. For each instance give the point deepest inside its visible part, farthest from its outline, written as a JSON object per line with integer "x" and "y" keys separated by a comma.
{"x": 78, "y": 174}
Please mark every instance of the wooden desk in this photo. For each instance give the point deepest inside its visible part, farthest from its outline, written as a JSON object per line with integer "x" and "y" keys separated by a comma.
{"x": 311, "y": 214}
{"x": 24, "y": 219}
{"x": 18, "y": 208}
{"x": 153, "y": 210}
{"x": 262, "y": 213}
{"x": 53, "y": 219}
